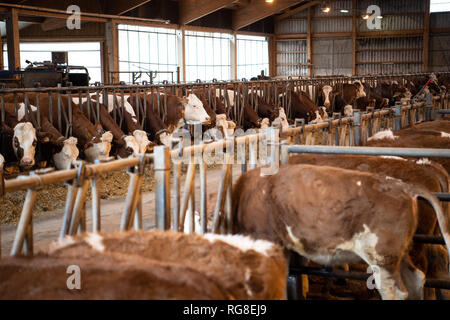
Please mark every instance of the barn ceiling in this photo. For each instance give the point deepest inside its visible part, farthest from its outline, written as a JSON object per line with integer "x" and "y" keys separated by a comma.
{"x": 183, "y": 12}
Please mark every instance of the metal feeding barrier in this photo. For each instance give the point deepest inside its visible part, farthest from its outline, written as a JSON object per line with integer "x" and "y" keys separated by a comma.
{"x": 231, "y": 94}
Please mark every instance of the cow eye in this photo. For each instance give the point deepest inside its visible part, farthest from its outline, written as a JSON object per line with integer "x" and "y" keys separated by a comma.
{"x": 129, "y": 150}
{"x": 34, "y": 143}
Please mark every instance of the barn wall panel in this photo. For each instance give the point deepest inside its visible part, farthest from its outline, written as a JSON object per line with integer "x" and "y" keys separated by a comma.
{"x": 440, "y": 52}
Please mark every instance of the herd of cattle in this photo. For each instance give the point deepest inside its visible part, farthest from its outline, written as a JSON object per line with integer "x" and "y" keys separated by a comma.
{"x": 30, "y": 138}
{"x": 331, "y": 210}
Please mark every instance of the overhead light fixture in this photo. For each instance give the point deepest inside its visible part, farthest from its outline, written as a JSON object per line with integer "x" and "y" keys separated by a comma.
{"x": 326, "y": 9}
{"x": 269, "y": 1}
{"x": 379, "y": 17}
{"x": 366, "y": 17}
{"x": 344, "y": 11}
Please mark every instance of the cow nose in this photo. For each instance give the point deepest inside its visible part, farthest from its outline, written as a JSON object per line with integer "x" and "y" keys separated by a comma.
{"x": 26, "y": 162}
{"x": 327, "y": 104}
{"x": 208, "y": 119}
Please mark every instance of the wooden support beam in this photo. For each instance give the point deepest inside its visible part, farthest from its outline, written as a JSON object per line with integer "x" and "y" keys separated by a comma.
{"x": 12, "y": 32}
{"x": 191, "y": 10}
{"x": 112, "y": 48}
{"x": 257, "y": 10}
{"x": 272, "y": 57}
{"x": 426, "y": 36}
{"x": 289, "y": 13}
{"x": 119, "y": 7}
{"x": 354, "y": 21}
{"x": 309, "y": 44}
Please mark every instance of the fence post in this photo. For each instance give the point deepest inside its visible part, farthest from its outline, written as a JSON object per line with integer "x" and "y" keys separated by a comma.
{"x": 357, "y": 125}
{"x": 398, "y": 117}
{"x": 162, "y": 186}
{"x": 24, "y": 231}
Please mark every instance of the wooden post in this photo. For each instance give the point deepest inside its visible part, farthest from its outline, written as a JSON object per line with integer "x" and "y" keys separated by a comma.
{"x": 12, "y": 32}
{"x": 354, "y": 71}
{"x": 426, "y": 36}
{"x": 309, "y": 45}
{"x": 112, "y": 44}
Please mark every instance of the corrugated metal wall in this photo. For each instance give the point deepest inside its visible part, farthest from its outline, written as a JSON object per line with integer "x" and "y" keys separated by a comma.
{"x": 290, "y": 56}
{"x": 375, "y": 55}
{"x": 332, "y": 56}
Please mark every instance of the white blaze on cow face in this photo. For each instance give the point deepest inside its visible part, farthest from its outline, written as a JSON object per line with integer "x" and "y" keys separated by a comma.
{"x": 281, "y": 121}
{"x": 348, "y": 111}
{"x": 130, "y": 142}
{"x": 360, "y": 93}
{"x": 326, "y": 93}
{"x": 324, "y": 114}
{"x": 142, "y": 140}
{"x": 68, "y": 154}
{"x": 100, "y": 149}
{"x": 193, "y": 109}
{"x": 387, "y": 134}
{"x": 25, "y": 139}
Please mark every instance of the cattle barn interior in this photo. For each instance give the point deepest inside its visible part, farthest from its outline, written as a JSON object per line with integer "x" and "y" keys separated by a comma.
{"x": 225, "y": 149}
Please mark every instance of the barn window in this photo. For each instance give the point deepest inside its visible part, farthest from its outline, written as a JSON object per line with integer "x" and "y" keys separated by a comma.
{"x": 147, "y": 49}
{"x": 439, "y": 5}
{"x": 207, "y": 56}
{"x": 252, "y": 56}
{"x": 85, "y": 54}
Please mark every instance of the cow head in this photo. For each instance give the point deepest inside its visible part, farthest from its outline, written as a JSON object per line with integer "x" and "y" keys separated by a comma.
{"x": 194, "y": 110}
{"x": 164, "y": 138}
{"x": 317, "y": 118}
{"x": 323, "y": 113}
{"x": 142, "y": 140}
{"x": 223, "y": 125}
{"x": 281, "y": 120}
{"x": 99, "y": 149}
{"x": 128, "y": 147}
{"x": 348, "y": 110}
{"x": 360, "y": 89}
{"x": 24, "y": 143}
{"x": 68, "y": 154}
{"x": 264, "y": 123}
{"x": 327, "y": 92}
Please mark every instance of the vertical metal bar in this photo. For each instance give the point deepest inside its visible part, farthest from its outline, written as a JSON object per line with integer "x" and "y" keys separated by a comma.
{"x": 96, "y": 218}
{"x": 176, "y": 190}
{"x": 357, "y": 126}
{"x": 25, "y": 220}
{"x": 162, "y": 185}
{"x": 190, "y": 175}
{"x": 68, "y": 210}
{"x": 79, "y": 207}
{"x": 203, "y": 196}
{"x": 398, "y": 117}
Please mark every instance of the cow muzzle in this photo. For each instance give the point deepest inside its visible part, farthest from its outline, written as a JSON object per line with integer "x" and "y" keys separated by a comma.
{"x": 26, "y": 162}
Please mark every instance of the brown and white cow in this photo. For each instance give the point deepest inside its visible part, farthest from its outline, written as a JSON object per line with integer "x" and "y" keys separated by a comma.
{"x": 162, "y": 265}
{"x": 413, "y": 138}
{"x": 341, "y": 95}
{"x": 365, "y": 217}
{"x": 426, "y": 174}
{"x": 94, "y": 141}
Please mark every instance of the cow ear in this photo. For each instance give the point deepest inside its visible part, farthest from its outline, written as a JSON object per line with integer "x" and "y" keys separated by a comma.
{"x": 43, "y": 137}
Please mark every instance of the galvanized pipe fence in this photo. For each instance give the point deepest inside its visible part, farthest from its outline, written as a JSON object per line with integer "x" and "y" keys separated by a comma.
{"x": 231, "y": 94}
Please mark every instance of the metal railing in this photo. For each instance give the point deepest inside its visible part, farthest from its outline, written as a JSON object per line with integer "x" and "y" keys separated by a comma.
{"x": 275, "y": 91}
